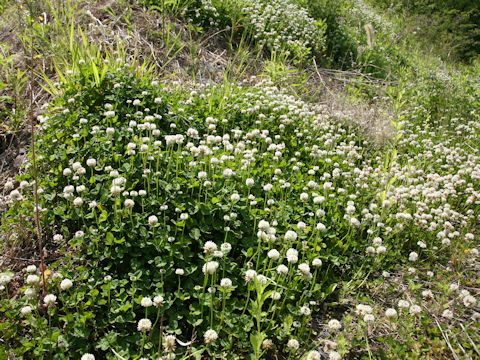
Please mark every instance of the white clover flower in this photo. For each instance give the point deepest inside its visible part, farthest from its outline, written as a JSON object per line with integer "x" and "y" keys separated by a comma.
{"x": 33, "y": 280}
{"x": 469, "y": 300}
{"x": 391, "y": 313}
{"x": 179, "y": 272}
{"x": 158, "y": 301}
{"x": 370, "y": 250}
{"x": 57, "y": 276}
{"x": 293, "y": 344}
{"x": 110, "y": 114}
{"x": 15, "y": 195}
{"x": 152, "y": 220}
{"x": 235, "y": 197}
{"x": 273, "y": 254}
{"x": 333, "y": 355}
{"x": 334, "y": 325}
{"x": 282, "y": 269}
{"x": 76, "y": 166}
{"x": 291, "y": 235}
{"x": 421, "y": 244}
{"x": 210, "y": 336}
{"x": 9, "y": 186}
{"x": 250, "y": 275}
{"x": 110, "y": 131}
{"x": 226, "y": 247}
{"x": 26, "y": 310}
{"x": 170, "y": 341}
{"x": 57, "y": 238}
{"x": 354, "y": 222}
{"x": 304, "y": 269}
{"x": 129, "y": 203}
{"x": 317, "y": 262}
{"x": 31, "y": 269}
{"x": 314, "y": 355}
{"x": 30, "y": 293}
{"x": 144, "y": 325}
{"x": 276, "y": 295}
{"x": 303, "y": 197}
{"x": 66, "y": 284}
{"x": 228, "y": 173}
{"x": 115, "y": 190}
{"x": 301, "y": 225}
{"x": 267, "y": 344}
{"x": 210, "y": 247}
{"x": 381, "y": 250}
{"x": 267, "y": 187}
{"x": 364, "y": 309}
{"x": 226, "y": 283}
{"x": 146, "y": 302}
{"x": 78, "y": 202}
{"x": 403, "y": 304}
{"x": 202, "y": 175}
{"x": 427, "y": 294}
{"x": 24, "y": 184}
{"x": 321, "y": 227}
{"x": 250, "y": 182}
{"x": 262, "y": 279}
{"x": 318, "y": 200}
{"x": 263, "y": 225}
{"x": 210, "y": 267}
{"x": 49, "y": 300}
{"x": 88, "y": 356}
{"x": 413, "y": 256}
{"x": 415, "y": 310}
{"x": 305, "y": 310}
{"x": 453, "y": 287}
{"x": 447, "y": 314}
{"x": 91, "y": 162}
{"x": 184, "y": 216}
{"x": 368, "y": 318}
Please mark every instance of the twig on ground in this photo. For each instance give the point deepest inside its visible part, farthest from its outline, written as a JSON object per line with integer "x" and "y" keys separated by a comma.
{"x": 470, "y": 339}
{"x": 455, "y": 356}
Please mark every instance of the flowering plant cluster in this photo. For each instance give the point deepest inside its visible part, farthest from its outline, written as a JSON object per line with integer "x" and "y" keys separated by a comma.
{"x": 217, "y": 218}
{"x": 277, "y": 26}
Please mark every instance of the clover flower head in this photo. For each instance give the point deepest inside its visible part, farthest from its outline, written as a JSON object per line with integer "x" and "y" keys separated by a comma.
{"x": 144, "y": 325}
{"x": 293, "y": 344}
{"x": 210, "y": 336}
{"x": 50, "y": 300}
{"x": 66, "y": 284}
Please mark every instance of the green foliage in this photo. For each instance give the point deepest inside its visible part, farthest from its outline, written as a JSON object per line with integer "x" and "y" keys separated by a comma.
{"x": 452, "y": 26}
{"x": 272, "y": 25}
{"x": 170, "y": 226}
{"x": 237, "y": 208}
